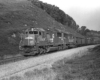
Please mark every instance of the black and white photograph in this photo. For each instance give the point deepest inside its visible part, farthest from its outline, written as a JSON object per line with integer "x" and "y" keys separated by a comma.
{"x": 49, "y": 39}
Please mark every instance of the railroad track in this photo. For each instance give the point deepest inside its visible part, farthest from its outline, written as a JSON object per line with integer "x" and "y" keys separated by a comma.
{"x": 13, "y": 59}
{"x": 18, "y": 58}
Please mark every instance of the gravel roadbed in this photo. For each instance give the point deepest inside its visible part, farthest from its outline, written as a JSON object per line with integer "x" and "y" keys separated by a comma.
{"x": 30, "y": 68}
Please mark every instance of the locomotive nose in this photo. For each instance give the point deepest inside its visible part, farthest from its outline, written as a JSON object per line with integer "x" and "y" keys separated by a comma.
{"x": 30, "y": 40}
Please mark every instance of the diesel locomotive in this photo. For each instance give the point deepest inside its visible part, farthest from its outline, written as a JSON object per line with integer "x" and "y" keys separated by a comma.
{"x": 36, "y": 41}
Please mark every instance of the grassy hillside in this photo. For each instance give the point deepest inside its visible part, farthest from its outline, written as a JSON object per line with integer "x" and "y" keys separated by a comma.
{"x": 80, "y": 68}
{"x": 56, "y": 13}
{"x": 16, "y": 16}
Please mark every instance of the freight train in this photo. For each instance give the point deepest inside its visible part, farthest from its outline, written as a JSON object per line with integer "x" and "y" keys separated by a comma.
{"x": 37, "y": 41}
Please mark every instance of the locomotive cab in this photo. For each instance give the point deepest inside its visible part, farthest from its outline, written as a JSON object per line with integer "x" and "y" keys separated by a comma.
{"x": 29, "y": 37}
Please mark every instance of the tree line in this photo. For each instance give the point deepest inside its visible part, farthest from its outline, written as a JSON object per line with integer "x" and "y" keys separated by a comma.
{"x": 63, "y": 18}
{"x": 55, "y": 12}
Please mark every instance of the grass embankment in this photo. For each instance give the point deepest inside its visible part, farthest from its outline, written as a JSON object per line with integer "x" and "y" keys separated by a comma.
{"x": 86, "y": 67}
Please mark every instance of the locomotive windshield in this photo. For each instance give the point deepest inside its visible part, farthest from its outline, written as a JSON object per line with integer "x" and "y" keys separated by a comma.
{"x": 31, "y": 32}
{"x": 35, "y": 32}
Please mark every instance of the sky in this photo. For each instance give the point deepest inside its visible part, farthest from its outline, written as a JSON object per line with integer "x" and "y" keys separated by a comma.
{"x": 84, "y": 12}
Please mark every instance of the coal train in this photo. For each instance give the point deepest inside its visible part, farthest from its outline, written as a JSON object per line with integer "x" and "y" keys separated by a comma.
{"x": 37, "y": 41}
